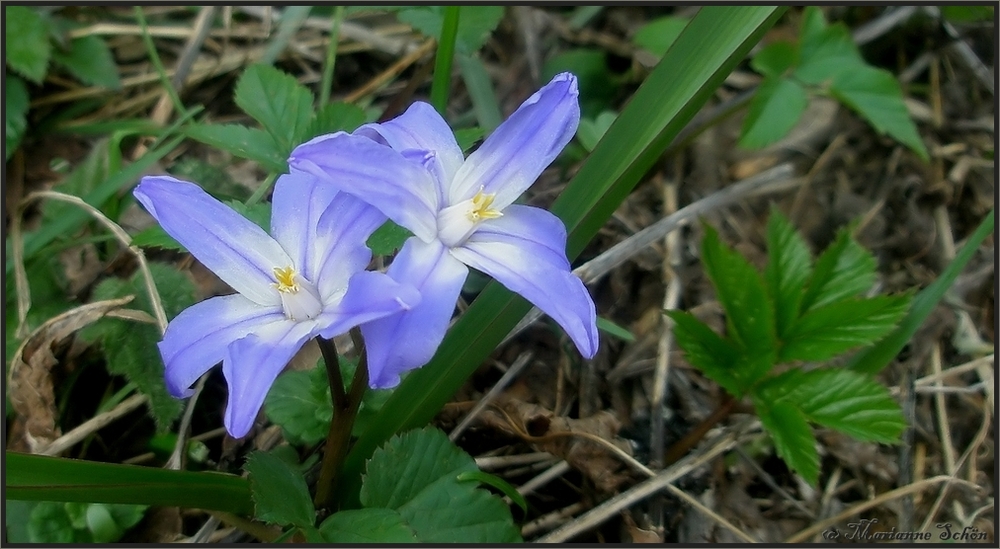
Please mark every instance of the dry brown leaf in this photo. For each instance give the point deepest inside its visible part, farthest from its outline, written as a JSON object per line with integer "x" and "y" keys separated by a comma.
{"x": 31, "y": 390}
{"x": 567, "y": 438}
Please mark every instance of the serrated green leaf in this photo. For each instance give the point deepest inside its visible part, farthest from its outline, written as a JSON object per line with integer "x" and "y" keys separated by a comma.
{"x": 130, "y": 347}
{"x": 740, "y": 289}
{"x": 335, "y": 117}
{"x": 90, "y": 61}
{"x": 828, "y": 330}
{"x": 591, "y": 130}
{"x": 388, "y": 238}
{"x": 826, "y": 54}
{"x": 789, "y": 265}
{"x": 775, "y": 58}
{"x": 26, "y": 42}
{"x": 475, "y": 23}
{"x": 875, "y": 95}
{"x": 417, "y": 474}
{"x": 841, "y": 399}
{"x": 250, "y": 143}
{"x": 16, "y": 100}
{"x": 793, "y": 439}
{"x": 611, "y": 328}
{"x": 659, "y": 34}
{"x": 367, "y": 526}
{"x": 774, "y": 110}
{"x": 279, "y": 492}
{"x": 276, "y": 100}
{"x": 716, "y": 357}
{"x": 844, "y": 269}
{"x": 474, "y": 515}
{"x": 407, "y": 464}
{"x": 813, "y": 24}
{"x": 870, "y": 361}
{"x": 300, "y": 402}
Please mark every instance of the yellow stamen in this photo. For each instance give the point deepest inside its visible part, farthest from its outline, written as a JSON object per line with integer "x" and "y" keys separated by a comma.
{"x": 286, "y": 280}
{"x": 481, "y": 207}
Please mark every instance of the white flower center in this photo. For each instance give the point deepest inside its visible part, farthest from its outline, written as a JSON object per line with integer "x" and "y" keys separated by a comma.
{"x": 299, "y": 298}
{"x": 457, "y": 222}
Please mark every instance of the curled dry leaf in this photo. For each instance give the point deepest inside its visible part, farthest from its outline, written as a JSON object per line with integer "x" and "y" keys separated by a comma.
{"x": 567, "y": 438}
{"x": 31, "y": 390}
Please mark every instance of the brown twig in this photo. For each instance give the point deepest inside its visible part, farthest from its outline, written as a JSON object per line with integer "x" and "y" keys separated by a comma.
{"x": 689, "y": 441}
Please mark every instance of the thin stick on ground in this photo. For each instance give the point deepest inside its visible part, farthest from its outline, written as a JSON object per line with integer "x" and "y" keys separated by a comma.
{"x": 510, "y": 375}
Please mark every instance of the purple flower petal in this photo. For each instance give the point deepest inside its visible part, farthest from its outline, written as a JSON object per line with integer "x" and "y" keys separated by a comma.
{"x": 542, "y": 276}
{"x": 298, "y": 201}
{"x": 251, "y": 366}
{"x": 513, "y": 157}
{"x": 530, "y": 224}
{"x": 197, "y": 338}
{"x": 407, "y": 340}
{"x": 402, "y": 189}
{"x": 369, "y": 296}
{"x": 421, "y": 127}
{"x": 234, "y": 248}
{"x": 341, "y": 243}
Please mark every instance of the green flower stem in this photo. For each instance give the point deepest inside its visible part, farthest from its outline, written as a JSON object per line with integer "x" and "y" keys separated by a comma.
{"x": 332, "y": 361}
{"x": 445, "y": 56}
{"x": 331, "y": 57}
{"x": 345, "y": 412}
{"x": 260, "y": 191}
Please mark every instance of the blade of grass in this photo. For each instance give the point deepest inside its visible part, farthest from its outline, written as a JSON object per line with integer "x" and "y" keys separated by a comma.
{"x": 442, "y": 63}
{"x": 714, "y": 42}
{"x": 484, "y": 100}
{"x": 331, "y": 56}
{"x": 291, "y": 19}
{"x": 42, "y": 478}
{"x": 873, "y": 359}
{"x": 147, "y": 39}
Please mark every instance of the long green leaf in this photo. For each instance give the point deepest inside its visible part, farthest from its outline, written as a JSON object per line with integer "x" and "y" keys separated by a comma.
{"x": 873, "y": 359}
{"x": 43, "y": 478}
{"x": 706, "y": 52}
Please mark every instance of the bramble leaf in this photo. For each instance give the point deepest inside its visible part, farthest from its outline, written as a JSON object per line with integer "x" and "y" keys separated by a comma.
{"x": 840, "y": 399}
{"x": 89, "y": 59}
{"x": 16, "y": 100}
{"x": 250, "y": 143}
{"x": 130, "y": 347}
{"x": 789, "y": 265}
{"x": 826, "y": 331}
{"x": 716, "y": 357}
{"x": 276, "y": 100}
{"x": 774, "y": 110}
{"x": 475, "y": 23}
{"x": 844, "y": 269}
{"x": 775, "y": 58}
{"x": 740, "y": 289}
{"x": 26, "y": 42}
{"x": 875, "y": 95}
{"x": 279, "y": 492}
{"x": 417, "y": 475}
{"x": 827, "y": 53}
{"x": 793, "y": 439}
{"x": 300, "y": 402}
